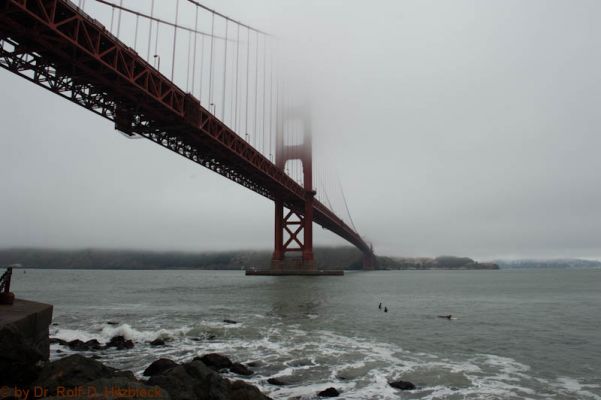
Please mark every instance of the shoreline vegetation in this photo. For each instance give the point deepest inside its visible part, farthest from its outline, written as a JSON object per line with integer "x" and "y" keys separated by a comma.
{"x": 346, "y": 258}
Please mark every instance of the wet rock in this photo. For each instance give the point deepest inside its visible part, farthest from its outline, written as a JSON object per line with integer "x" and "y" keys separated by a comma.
{"x": 243, "y": 391}
{"x": 240, "y": 369}
{"x": 192, "y": 380}
{"x": 120, "y": 343}
{"x": 58, "y": 341}
{"x": 76, "y": 370}
{"x": 79, "y": 345}
{"x": 276, "y": 381}
{"x": 329, "y": 392}
{"x": 19, "y": 360}
{"x": 157, "y": 342}
{"x": 122, "y": 388}
{"x": 230, "y": 321}
{"x": 112, "y": 323}
{"x": 215, "y": 361}
{"x": 402, "y": 385}
{"x": 254, "y": 364}
{"x": 159, "y": 366}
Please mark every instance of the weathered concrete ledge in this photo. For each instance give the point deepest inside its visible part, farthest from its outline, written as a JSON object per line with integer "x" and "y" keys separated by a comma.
{"x": 32, "y": 320}
{"x": 297, "y": 272}
{"x": 24, "y": 340}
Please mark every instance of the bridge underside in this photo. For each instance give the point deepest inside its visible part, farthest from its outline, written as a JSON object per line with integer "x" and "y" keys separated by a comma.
{"x": 55, "y": 45}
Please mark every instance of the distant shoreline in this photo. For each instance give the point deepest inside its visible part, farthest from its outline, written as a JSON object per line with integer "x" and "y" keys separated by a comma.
{"x": 343, "y": 258}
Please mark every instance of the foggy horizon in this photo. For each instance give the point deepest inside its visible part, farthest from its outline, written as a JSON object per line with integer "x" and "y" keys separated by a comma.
{"x": 456, "y": 128}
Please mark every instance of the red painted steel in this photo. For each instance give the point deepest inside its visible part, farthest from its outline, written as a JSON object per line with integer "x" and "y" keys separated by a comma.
{"x": 57, "y": 46}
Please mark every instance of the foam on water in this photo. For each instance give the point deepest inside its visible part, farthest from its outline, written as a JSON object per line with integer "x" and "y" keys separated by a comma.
{"x": 312, "y": 361}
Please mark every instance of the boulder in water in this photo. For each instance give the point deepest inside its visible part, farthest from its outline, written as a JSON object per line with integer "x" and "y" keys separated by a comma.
{"x": 329, "y": 392}
{"x": 402, "y": 385}
{"x": 120, "y": 343}
{"x": 215, "y": 361}
{"x": 240, "y": 369}
{"x": 157, "y": 342}
{"x": 230, "y": 321}
{"x": 276, "y": 382}
{"x": 159, "y": 366}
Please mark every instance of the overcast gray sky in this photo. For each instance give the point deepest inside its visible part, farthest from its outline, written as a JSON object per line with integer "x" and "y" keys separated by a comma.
{"x": 456, "y": 127}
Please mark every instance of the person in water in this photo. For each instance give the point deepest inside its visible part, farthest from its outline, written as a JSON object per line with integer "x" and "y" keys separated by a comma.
{"x": 385, "y": 309}
{"x": 380, "y": 306}
{"x": 445, "y": 316}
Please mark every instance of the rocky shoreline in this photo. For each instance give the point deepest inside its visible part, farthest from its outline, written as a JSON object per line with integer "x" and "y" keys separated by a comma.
{"x": 26, "y": 373}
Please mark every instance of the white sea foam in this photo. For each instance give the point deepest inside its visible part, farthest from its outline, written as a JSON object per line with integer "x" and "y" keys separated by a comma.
{"x": 360, "y": 368}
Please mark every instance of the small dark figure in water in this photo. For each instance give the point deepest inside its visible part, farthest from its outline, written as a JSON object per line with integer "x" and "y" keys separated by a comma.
{"x": 385, "y": 309}
{"x": 380, "y": 306}
{"x": 445, "y": 316}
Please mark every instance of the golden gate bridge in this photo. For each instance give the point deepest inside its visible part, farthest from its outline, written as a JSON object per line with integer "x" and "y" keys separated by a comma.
{"x": 194, "y": 81}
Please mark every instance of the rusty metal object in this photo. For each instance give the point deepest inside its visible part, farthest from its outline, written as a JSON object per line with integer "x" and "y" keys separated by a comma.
{"x": 6, "y": 296}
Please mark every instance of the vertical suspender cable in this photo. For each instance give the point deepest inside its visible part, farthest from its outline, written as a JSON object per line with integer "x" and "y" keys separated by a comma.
{"x": 194, "y": 56}
{"x": 174, "y": 40}
{"x": 247, "y": 74}
{"x": 136, "y": 35}
{"x": 264, "y": 91}
{"x": 224, "y": 70}
{"x": 112, "y": 18}
{"x": 202, "y": 66}
{"x": 156, "y": 46}
{"x": 189, "y": 61}
{"x": 150, "y": 29}
{"x": 270, "y": 98}
{"x": 236, "y": 89}
{"x": 211, "y": 62}
{"x": 256, "y": 137}
{"x": 119, "y": 18}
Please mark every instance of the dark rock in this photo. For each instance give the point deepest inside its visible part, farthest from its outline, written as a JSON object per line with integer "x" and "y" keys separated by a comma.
{"x": 159, "y": 366}
{"x": 402, "y": 385}
{"x": 329, "y": 392}
{"x": 254, "y": 364}
{"x": 58, "y": 341}
{"x": 215, "y": 361}
{"x": 75, "y": 370}
{"x": 211, "y": 337}
{"x": 240, "y": 369}
{"x": 276, "y": 381}
{"x": 18, "y": 358}
{"x": 157, "y": 342}
{"x": 79, "y": 345}
{"x": 122, "y": 388}
{"x": 194, "y": 380}
{"x": 120, "y": 343}
{"x": 230, "y": 321}
{"x": 243, "y": 391}
{"x": 112, "y": 323}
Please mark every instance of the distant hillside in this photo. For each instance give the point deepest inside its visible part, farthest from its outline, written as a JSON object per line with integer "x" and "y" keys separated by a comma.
{"x": 340, "y": 257}
{"x": 555, "y": 263}
{"x": 424, "y": 263}
{"x": 326, "y": 257}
